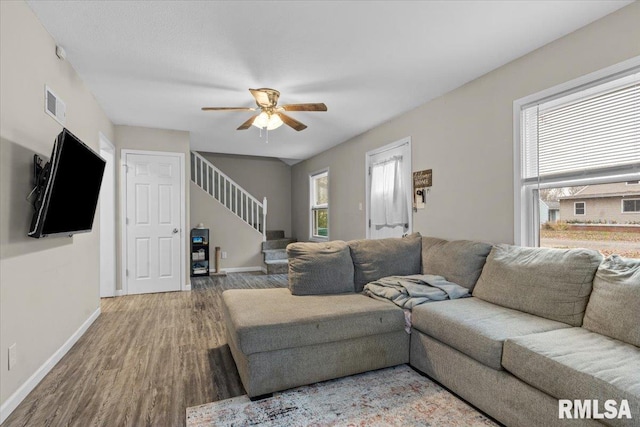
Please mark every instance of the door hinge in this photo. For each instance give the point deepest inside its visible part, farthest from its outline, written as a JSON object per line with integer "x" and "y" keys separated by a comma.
{"x": 126, "y": 221}
{"x": 369, "y": 223}
{"x": 369, "y": 170}
{"x": 126, "y": 272}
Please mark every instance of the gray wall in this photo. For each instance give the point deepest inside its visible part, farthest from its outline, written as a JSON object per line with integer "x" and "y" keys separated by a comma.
{"x": 261, "y": 177}
{"x": 242, "y": 243}
{"x": 466, "y": 137}
{"x": 49, "y": 287}
{"x": 148, "y": 139}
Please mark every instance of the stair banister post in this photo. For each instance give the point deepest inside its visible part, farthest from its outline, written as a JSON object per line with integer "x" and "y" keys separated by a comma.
{"x": 264, "y": 219}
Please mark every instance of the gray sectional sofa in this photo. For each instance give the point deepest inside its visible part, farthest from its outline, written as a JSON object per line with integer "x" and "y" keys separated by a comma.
{"x": 542, "y": 325}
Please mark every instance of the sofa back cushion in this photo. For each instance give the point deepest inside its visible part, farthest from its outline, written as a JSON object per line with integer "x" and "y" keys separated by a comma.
{"x": 458, "y": 261}
{"x": 374, "y": 259}
{"x": 320, "y": 268}
{"x": 550, "y": 283}
{"x": 614, "y": 305}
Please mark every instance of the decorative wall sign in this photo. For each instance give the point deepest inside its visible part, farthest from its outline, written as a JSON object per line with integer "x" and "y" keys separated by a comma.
{"x": 422, "y": 180}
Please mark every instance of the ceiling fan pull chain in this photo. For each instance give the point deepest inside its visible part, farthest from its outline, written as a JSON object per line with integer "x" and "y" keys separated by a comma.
{"x": 267, "y": 138}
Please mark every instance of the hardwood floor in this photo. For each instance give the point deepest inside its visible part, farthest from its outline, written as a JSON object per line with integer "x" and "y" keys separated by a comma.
{"x": 144, "y": 361}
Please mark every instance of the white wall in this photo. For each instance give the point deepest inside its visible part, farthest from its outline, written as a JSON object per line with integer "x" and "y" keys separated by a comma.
{"x": 149, "y": 139}
{"x": 50, "y": 286}
{"x": 466, "y": 137}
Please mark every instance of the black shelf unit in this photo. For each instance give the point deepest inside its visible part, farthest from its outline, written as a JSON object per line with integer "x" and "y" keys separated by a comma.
{"x": 199, "y": 252}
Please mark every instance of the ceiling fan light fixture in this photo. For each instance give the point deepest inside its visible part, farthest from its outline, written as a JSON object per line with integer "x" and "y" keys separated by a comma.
{"x": 274, "y": 122}
{"x": 268, "y": 121}
{"x": 261, "y": 120}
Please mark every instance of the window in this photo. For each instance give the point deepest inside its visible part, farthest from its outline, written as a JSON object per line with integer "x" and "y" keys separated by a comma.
{"x": 631, "y": 206}
{"x": 580, "y": 133}
{"x": 319, "y": 191}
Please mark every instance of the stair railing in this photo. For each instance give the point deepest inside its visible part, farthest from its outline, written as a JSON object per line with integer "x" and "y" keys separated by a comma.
{"x": 226, "y": 191}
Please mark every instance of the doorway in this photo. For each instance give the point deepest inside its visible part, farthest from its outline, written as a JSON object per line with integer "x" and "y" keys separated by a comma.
{"x": 107, "y": 220}
{"x": 388, "y": 188}
{"x": 153, "y": 221}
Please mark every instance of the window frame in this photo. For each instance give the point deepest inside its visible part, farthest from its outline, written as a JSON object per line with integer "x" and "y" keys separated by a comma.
{"x": 628, "y": 200}
{"x": 526, "y": 226}
{"x": 575, "y": 209}
{"x": 313, "y": 208}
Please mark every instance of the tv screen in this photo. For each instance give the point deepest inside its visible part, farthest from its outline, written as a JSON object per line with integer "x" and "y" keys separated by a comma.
{"x": 67, "y": 189}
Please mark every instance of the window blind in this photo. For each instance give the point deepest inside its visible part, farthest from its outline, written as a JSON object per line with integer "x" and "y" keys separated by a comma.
{"x": 591, "y": 132}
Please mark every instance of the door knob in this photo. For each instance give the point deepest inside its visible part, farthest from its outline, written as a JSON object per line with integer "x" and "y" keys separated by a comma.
{"x": 175, "y": 230}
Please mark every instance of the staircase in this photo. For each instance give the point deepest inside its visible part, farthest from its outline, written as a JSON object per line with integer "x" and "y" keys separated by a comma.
{"x": 274, "y": 252}
{"x": 225, "y": 190}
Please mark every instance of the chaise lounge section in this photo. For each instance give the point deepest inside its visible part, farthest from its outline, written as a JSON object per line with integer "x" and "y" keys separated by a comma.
{"x": 542, "y": 325}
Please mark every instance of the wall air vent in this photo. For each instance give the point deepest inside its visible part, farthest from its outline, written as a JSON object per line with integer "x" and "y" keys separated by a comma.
{"x": 54, "y": 106}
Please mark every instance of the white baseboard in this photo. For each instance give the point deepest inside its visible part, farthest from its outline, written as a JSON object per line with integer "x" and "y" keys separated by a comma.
{"x": 241, "y": 269}
{"x": 120, "y": 292}
{"x": 14, "y": 400}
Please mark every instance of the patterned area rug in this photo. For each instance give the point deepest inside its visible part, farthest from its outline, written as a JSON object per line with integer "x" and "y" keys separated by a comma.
{"x": 396, "y": 396}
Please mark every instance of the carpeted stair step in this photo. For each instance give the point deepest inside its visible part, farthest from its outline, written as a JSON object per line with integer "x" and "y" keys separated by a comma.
{"x": 276, "y": 244}
{"x": 275, "y": 234}
{"x": 277, "y": 266}
{"x": 273, "y": 254}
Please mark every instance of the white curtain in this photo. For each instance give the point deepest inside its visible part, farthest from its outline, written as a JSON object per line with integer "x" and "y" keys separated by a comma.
{"x": 388, "y": 197}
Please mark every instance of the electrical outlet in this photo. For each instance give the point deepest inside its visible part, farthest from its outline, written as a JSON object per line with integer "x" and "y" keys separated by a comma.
{"x": 13, "y": 356}
{"x": 224, "y": 254}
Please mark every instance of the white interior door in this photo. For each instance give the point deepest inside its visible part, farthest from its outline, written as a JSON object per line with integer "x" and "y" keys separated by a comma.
{"x": 153, "y": 222}
{"x": 389, "y": 190}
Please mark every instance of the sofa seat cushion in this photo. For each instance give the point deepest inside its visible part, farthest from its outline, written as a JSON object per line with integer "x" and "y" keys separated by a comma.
{"x": 477, "y": 328}
{"x": 273, "y": 319}
{"x": 590, "y": 365}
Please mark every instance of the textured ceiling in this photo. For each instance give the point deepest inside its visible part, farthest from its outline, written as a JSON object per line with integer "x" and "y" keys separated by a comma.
{"x": 155, "y": 63}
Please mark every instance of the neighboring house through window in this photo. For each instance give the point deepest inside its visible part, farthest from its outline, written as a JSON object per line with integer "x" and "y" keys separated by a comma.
{"x": 580, "y": 133}
{"x": 319, "y": 191}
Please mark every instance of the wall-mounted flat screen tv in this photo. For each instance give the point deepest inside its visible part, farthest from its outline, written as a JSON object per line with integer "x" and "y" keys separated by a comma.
{"x": 67, "y": 188}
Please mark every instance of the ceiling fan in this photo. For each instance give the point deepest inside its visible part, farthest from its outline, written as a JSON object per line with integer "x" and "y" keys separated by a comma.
{"x": 271, "y": 114}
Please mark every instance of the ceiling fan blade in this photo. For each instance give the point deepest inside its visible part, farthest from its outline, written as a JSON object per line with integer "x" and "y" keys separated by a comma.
{"x": 247, "y": 124}
{"x": 228, "y": 109}
{"x": 305, "y": 107}
{"x": 265, "y": 97}
{"x": 290, "y": 121}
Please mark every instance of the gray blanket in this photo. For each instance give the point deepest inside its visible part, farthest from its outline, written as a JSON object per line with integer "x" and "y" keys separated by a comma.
{"x": 409, "y": 291}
